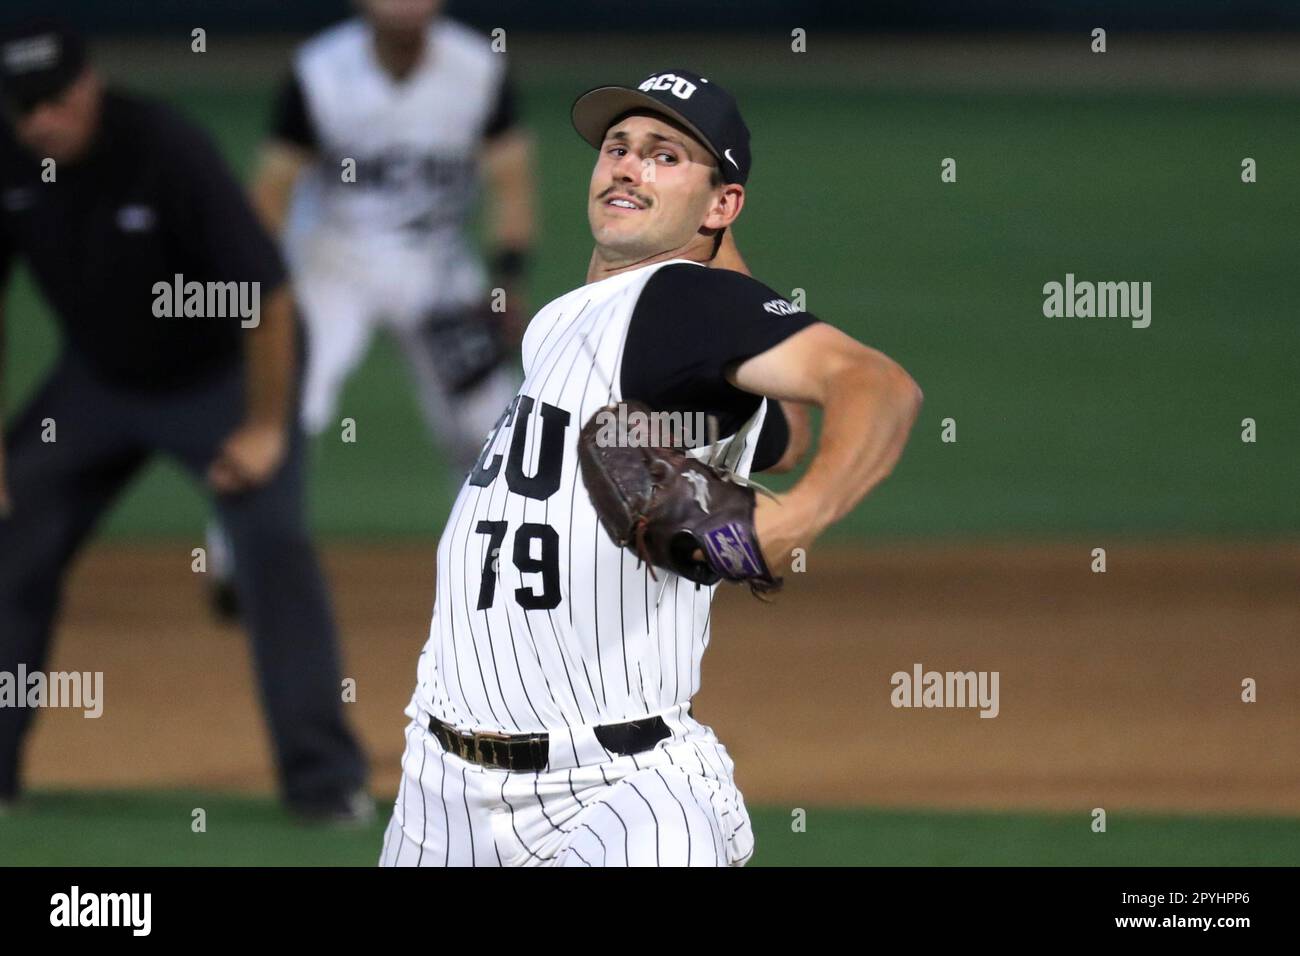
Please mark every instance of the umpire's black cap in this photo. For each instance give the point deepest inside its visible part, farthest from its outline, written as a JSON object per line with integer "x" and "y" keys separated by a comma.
{"x": 38, "y": 61}
{"x": 703, "y": 107}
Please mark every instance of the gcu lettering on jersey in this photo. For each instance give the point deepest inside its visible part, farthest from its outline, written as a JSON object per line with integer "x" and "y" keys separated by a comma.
{"x": 400, "y": 168}
{"x": 540, "y": 620}
{"x": 678, "y": 86}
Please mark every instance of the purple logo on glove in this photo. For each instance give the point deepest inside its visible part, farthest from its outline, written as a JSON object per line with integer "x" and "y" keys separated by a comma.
{"x": 731, "y": 553}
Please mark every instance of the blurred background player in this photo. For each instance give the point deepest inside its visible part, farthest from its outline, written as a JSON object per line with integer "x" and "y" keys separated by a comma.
{"x": 382, "y": 133}
{"x": 139, "y": 196}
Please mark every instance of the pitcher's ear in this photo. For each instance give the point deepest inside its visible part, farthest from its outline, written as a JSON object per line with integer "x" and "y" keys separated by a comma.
{"x": 726, "y": 206}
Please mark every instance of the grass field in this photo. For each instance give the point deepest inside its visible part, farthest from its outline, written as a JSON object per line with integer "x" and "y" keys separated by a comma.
{"x": 1063, "y": 425}
{"x": 137, "y": 829}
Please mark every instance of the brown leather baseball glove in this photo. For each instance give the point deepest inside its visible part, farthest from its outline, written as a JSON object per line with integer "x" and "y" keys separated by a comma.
{"x": 673, "y": 511}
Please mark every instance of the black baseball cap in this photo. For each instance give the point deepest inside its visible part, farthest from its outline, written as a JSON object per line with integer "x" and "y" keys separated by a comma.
{"x": 38, "y": 61}
{"x": 703, "y": 107}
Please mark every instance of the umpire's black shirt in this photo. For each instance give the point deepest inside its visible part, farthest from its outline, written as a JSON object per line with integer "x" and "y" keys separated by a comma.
{"x": 150, "y": 199}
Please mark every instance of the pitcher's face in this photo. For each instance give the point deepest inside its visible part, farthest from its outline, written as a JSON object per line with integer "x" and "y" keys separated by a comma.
{"x": 652, "y": 188}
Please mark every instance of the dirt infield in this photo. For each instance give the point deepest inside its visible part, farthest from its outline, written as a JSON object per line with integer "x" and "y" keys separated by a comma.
{"x": 1120, "y": 689}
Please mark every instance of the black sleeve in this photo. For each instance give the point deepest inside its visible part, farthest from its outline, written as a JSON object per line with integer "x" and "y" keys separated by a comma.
{"x": 505, "y": 110}
{"x": 292, "y": 121}
{"x": 690, "y": 326}
{"x": 219, "y": 234}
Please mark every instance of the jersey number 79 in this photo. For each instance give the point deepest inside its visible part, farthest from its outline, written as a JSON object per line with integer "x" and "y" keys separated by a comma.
{"x": 538, "y": 486}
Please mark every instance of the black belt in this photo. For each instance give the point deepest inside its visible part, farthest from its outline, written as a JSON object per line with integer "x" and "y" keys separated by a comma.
{"x": 531, "y": 752}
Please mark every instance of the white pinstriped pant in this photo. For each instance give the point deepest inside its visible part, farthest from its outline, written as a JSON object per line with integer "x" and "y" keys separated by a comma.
{"x": 675, "y": 805}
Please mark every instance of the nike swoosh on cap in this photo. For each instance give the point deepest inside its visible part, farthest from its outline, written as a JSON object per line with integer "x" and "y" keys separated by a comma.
{"x": 727, "y": 153}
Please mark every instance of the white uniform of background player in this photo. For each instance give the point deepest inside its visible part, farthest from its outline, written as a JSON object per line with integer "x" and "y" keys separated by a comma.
{"x": 390, "y": 249}
{"x": 371, "y": 175}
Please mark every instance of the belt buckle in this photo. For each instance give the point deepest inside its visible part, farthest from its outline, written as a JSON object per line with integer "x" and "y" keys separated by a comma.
{"x": 477, "y": 739}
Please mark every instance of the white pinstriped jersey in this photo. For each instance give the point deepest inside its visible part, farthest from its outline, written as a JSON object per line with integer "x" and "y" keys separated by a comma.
{"x": 563, "y": 628}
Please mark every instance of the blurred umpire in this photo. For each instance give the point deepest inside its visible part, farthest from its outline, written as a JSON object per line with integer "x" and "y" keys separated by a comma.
{"x": 109, "y": 197}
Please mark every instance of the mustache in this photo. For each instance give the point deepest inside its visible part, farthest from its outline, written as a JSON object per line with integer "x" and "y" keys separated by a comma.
{"x": 644, "y": 200}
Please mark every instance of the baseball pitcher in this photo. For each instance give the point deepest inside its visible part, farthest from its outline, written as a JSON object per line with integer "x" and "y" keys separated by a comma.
{"x": 551, "y": 723}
